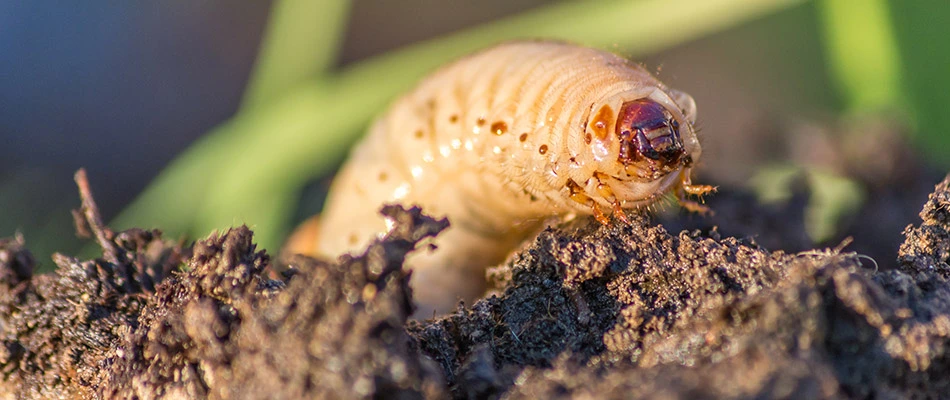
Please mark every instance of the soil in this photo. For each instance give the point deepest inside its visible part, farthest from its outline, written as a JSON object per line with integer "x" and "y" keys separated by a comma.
{"x": 738, "y": 305}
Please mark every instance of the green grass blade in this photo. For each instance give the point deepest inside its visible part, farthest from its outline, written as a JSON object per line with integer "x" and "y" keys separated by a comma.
{"x": 301, "y": 42}
{"x": 862, "y": 54}
{"x": 923, "y": 33}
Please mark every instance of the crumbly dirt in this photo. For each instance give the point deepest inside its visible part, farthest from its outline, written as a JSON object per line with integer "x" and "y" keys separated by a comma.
{"x": 690, "y": 308}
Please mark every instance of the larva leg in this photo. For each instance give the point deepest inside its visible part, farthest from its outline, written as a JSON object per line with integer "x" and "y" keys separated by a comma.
{"x": 686, "y": 188}
{"x": 598, "y": 214}
{"x": 693, "y": 206}
{"x": 698, "y": 190}
{"x": 608, "y": 193}
{"x": 577, "y": 194}
{"x": 618, "y": 212}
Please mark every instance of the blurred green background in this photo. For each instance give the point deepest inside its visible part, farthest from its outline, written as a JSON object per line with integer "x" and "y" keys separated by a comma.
{"x": 194, "y": 116}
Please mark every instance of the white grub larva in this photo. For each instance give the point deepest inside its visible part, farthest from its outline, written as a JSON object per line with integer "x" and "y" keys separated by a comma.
{"x": 501, "y": 140}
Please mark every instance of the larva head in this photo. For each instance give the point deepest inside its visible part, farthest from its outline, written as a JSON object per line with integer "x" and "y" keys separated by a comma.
{"x": 641, "y": 143}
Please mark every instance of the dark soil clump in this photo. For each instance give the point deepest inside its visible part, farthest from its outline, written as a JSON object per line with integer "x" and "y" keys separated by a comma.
{"x": 584, "y": 311}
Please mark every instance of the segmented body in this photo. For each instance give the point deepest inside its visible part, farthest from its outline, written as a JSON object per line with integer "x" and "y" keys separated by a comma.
{"x": 499, "y": 141}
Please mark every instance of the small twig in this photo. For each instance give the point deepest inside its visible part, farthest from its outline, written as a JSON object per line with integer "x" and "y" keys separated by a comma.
{"x": 82, "y": 227}
{"x": 94, "y": 220}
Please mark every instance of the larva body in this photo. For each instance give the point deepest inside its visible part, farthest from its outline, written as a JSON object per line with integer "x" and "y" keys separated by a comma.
{"x": 501, "y": 140}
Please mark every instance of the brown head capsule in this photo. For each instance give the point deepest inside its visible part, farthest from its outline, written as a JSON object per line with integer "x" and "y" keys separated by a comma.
{"x": 649, "y": 132}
